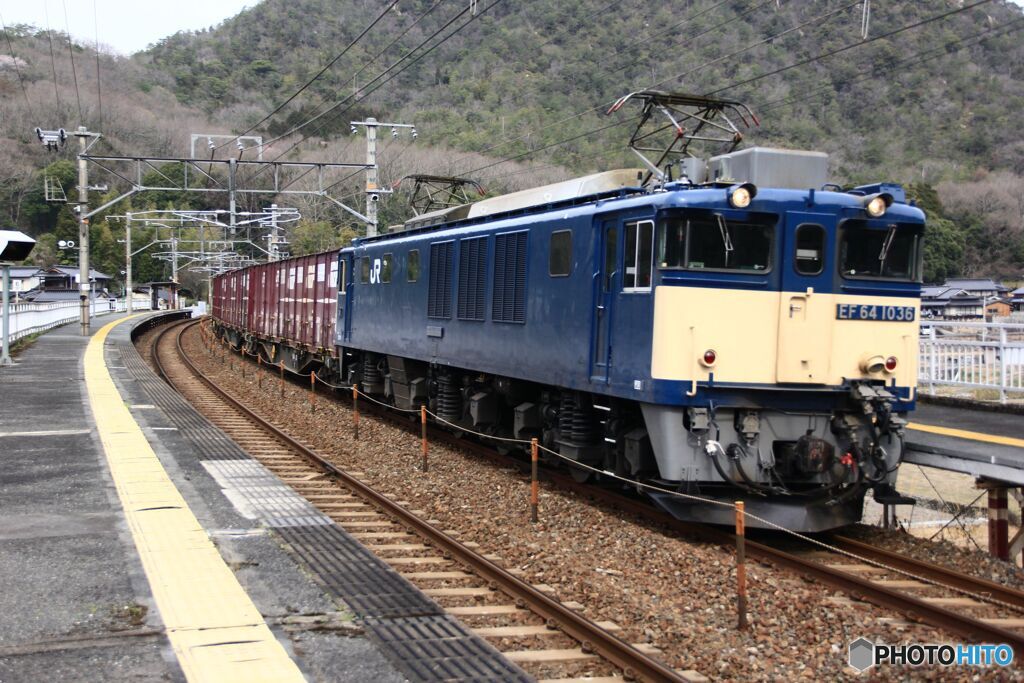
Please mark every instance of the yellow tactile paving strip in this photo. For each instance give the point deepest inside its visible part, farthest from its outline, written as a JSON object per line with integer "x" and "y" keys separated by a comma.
{"x": 964, "y": 434}
{"x": 216, "y": 631}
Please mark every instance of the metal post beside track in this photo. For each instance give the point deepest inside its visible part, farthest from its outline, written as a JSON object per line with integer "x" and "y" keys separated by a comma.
{"x": 423, "y": 434}
{"x": 741, "y": 566}
{"x": 534, "y": 487}
{"x": 312, "y": 391}
{"x": 282, "y": 378}
{"x": 355, "y": 411}
{"x": 259, "y": 371}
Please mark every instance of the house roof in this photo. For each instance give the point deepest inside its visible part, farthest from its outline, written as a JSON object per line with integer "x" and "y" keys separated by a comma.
{"x": 974, "y": 283}
{"x": 73, "y": 270}
{"x": 24, "y": 271}
{"x": 947, "y": 294}
{"x": 54, "y": 295}
{"x": 1017, "y": 293}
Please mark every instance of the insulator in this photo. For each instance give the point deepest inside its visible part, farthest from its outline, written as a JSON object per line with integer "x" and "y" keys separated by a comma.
{"x": 449, "y": 398}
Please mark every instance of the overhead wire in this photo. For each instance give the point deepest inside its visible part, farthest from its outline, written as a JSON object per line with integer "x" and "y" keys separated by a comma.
{"x": 357, "y": 98}
{"x": 74, "y": 71}
{"x": 17, "y": 69}
{"x": 600, "y": 107}
{"x": 916, "y": 58}
{"x": 851, "y": 46}
{"x": 791, "y": 66}
{"x": 99, "y": 91}
{"x": 320, "y": 73}
{"x": 722, "y": 58}
{"x": 53, "y": 59}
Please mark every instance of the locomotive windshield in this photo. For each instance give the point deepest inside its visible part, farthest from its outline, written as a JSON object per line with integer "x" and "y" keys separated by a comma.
{"x": 891, "y": 251}
{"x": 714, "y": 242}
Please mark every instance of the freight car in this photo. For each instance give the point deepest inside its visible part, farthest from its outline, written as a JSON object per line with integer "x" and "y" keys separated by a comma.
{"x": 754, "y": 337}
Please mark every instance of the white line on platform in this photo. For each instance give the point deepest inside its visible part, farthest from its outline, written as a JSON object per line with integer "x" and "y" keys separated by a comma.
{"x": 53, "y": 432}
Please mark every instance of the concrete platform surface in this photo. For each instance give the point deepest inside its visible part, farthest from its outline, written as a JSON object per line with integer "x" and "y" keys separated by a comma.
{"x": 76, "y": 604}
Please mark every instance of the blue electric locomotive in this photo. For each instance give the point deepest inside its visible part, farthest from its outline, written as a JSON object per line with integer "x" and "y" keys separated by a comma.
{"x": 723, "y": 339}
{"x": 742, "y": 331}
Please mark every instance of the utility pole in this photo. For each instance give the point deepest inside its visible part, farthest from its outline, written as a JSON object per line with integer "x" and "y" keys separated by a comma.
{"x": 81, "y": 210}
{"x": 128, "y": 264}
{"x": 83, "y": 231}
{"x": 174, "y": 269}
{"x": 373, "y": 190}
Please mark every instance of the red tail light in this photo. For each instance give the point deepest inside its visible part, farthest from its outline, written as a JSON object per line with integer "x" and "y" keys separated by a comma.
{"x": 710, "y": 357}
{"x": 891, "y": 363}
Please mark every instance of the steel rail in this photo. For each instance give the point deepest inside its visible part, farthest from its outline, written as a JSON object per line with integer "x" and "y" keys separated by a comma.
{"x": 932, "y": 571}
{"x": 914, "y": 608}
{"x": 593, "y": 638}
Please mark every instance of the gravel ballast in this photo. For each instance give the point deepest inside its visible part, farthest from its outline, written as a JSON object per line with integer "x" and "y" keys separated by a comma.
{"x": 676, "y": 594}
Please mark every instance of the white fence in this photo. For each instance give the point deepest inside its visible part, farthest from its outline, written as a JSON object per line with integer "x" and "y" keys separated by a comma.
{"x": 972, "y": 355}
{"x": 28, "y": 319}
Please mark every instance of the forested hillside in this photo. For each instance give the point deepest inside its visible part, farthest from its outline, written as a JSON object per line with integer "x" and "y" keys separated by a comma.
{"x": 935, "y": 103}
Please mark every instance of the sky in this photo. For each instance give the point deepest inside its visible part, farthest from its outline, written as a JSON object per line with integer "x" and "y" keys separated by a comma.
{"x": 127, "y": 26}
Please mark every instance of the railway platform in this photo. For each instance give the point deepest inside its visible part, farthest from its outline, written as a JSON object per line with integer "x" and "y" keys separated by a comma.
{"x": 137, "y": 542}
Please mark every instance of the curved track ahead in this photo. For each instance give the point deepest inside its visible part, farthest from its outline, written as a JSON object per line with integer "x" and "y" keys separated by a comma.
{"x": 209, "y": 397}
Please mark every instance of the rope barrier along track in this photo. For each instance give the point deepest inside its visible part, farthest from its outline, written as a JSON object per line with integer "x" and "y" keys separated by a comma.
{"x": 915, "y": 608}
{"x": 633, "y": 662}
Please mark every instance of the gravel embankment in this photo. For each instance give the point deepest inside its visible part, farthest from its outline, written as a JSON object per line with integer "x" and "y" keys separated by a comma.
{"x": 674, "y": 593}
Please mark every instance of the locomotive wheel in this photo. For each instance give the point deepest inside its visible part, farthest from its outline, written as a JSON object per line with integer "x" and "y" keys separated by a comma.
{"x": 580, "y": 475}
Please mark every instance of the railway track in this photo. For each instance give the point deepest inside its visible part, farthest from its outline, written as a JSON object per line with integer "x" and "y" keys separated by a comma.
{"x": 548, "y": 639}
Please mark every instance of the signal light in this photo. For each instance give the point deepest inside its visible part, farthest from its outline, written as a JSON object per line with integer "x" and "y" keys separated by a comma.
{"x": 891, "y": 363}
{"x": 709, "y": 358}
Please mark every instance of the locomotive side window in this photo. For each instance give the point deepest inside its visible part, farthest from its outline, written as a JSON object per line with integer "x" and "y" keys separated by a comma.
{"x": 560, "y": 254}
{"x": 364, "y": 270}
{"x": 611, "y": 247}
{"x": 639, "y": 254}
{"x": 715, "y": 243}
{"x": 890, "y": 252}
{"x": 809, "y": 254}
{"x": 412, "y": 266}
{"x": 385, "y": 268}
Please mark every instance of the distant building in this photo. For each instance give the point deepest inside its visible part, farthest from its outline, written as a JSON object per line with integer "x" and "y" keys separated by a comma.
{"x": 23, "y": 279}
{"x": 1000, "y": 308}
{"x": 983, "y": 287}
{"x": 60, "y": 283}
{"x": 1017, "y": 299}
{"x": 951, "y": 303}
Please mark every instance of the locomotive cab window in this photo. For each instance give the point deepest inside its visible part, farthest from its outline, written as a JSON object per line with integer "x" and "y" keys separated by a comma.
{"x": 560, "y": 254}
{"x": 412, "y": 266}
{"x": 809, "y": 251}
{"x": 714, "y": 242}
{"x": 385, "y": 268}
{"x": 891, "y": 252}
{"x": 638, "y": 255}
{"x": 364, "y": 270}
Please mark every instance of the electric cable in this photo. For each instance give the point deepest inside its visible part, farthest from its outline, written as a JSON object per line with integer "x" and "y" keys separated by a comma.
{"x": 916, "y": 58}
{"x": 839, "y": 50}
{"x": 357, "y": 98}
{"x": 99, "y": 91}
{"x": 320, "y": 73}
{"x": 17, "y": 69}
{"x": 53, "y": 59}
{"x": 74, "y": 71}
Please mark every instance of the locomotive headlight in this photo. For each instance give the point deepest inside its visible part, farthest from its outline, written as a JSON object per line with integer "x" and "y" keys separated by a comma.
{"x": 876, "y": 204}
{"x": 873, "y": 364}
{"x": 740, "y": 195}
